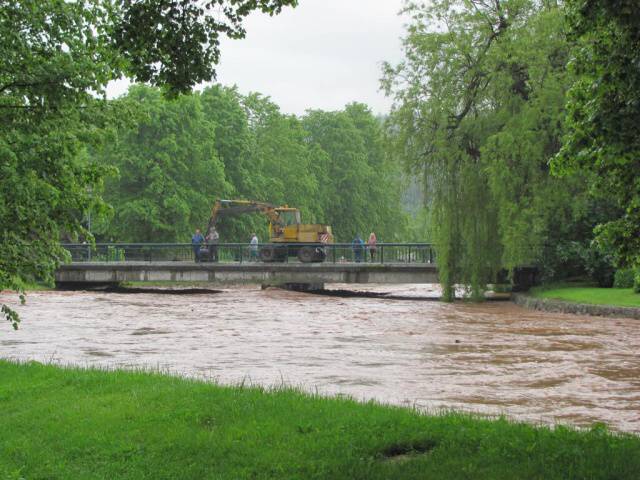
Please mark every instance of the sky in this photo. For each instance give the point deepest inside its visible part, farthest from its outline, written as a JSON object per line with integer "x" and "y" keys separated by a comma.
{"x": 321, "y": 55}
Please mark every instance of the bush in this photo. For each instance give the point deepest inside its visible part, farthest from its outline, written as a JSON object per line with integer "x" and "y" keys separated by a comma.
{"x": 599, "y": 265}
{"x": 624, "y": 278}
{"x": 636, "y": 281}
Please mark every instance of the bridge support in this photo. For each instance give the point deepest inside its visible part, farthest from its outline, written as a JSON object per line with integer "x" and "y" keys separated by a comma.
{"x": 296, "y": 287}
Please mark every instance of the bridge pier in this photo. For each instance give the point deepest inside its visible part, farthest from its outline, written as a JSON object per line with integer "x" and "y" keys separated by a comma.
{"x": 296, "y": 287}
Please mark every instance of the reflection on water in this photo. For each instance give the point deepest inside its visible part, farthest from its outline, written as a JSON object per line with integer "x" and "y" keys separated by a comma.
{"x": 493, "y": 358}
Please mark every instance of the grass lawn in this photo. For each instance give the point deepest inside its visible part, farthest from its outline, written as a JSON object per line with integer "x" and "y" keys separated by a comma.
{"x": 88, "y": 424}
{"x": 621, "y": 297}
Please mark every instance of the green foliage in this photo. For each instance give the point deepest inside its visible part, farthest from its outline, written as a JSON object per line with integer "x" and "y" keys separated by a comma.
{"x": 570, "y": 250}
{"x": 176, "y": 43}
{"x": 178, "y": 156}
{"x": 603, "y": 118}
{"x": 624, "y": 278}
{"x": 357, "y": 184}
{"x": 599, "y": 265}
{"x": 72, "y": 423}
{"x": 478, "y": 114}
{"x": 115, "y": 254}
{"x": 636, "y": 281}
{"x": 48, "y": 116}
{"x": 280, "y": 161}
{"x": 168, "y": 170}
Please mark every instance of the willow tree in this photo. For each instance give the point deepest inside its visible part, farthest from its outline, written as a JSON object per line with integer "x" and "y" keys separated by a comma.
{"x": 478, "y": 108}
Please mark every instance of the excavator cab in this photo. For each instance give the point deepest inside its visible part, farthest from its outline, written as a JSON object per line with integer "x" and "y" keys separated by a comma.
{"x": 289, "y": 216}
{"x": 288, "y": 235}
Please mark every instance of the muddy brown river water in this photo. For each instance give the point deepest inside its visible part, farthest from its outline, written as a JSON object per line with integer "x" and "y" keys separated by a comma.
{"x": 493, "y": 358}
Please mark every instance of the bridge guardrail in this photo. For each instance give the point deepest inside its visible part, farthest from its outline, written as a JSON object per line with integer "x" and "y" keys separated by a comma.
{"x": 419, "y": 253}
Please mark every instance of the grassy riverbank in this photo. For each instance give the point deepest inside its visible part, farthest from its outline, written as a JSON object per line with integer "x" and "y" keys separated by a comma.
{"x": 70, "y": 424}
{"x": 618, "y": 297}
{"x": 32, "y": 287}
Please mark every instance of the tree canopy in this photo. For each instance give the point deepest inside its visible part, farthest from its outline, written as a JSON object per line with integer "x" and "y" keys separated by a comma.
{"x": 176, "y": 43}
{"x": 180, "y": 155}
{"x": 603, "y": 115}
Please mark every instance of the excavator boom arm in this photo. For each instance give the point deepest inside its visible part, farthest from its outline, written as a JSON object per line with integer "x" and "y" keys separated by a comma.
{"x": 238, "y": 207}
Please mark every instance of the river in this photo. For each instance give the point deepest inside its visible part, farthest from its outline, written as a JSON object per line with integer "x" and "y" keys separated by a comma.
{"x": 493, "y": 358}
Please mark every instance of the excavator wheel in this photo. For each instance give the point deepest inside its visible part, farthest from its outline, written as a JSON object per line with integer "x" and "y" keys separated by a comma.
{"x": 282, "y": 254}
{"x": 307, "y": 254}
{"x": 311, "y": 254}
{"x": 268, "y": 254}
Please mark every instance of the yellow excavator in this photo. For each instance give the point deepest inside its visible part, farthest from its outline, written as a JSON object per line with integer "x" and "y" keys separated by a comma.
{"x": 288, "y": 236}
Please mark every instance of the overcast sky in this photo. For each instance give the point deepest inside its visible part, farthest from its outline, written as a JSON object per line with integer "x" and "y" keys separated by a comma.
{"x": 322, "y": 54}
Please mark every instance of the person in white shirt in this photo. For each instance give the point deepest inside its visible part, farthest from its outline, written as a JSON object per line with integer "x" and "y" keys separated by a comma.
{"x": 212, "y": 243}
{"x": 253, "y": 248}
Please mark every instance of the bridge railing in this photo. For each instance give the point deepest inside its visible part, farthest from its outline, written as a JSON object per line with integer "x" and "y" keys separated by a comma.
{"x": 384, "y": 253}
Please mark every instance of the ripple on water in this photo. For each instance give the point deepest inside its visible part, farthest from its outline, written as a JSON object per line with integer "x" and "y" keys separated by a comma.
{"x": 98, "y": 353}
{"x": 150, "y": 331}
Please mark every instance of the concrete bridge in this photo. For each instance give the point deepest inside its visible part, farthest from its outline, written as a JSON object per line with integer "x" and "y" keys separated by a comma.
{"x": 296, "y": 275}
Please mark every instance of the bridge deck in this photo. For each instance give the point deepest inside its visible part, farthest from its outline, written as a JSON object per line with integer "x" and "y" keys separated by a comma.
{"x": 261, "y": 273}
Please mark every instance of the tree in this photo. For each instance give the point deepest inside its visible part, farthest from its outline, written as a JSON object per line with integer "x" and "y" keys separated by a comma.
{"x": 478, "y": 115}
{"x": 384, "y": 213}
{"x": 176, "y": 43}
{"x": 281, "y": 159}
{"x": 345, "y": 172}
{"x": 52, "y": 54}
{"x": 603, "y": 115}
{"x": 56, "y": 58}
{"x": 169, "y": 172}
{"x": 223, "y": 107}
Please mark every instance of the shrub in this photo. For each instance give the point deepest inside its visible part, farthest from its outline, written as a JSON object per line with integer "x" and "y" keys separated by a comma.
{"x": 599, "y": 265}
{"x": 636, "y": 281}
{"x": 624, "y": 278}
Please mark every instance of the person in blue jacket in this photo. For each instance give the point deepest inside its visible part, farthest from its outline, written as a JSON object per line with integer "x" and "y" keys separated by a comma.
{"x": 196, "y": 242}
{"x": 358, "y": 248}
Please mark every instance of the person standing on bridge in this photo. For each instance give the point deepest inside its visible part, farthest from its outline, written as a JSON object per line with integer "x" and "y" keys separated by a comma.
{"x": 196, "y": 242}
{"x": 372, "y": 245}
{"x": 358, "y": 248}
{"x": 253, "y": 248}
{"x": 212, "y": 242}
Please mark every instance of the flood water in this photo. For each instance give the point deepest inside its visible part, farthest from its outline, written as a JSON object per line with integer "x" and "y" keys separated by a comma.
{"x": 494, "y": 358}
